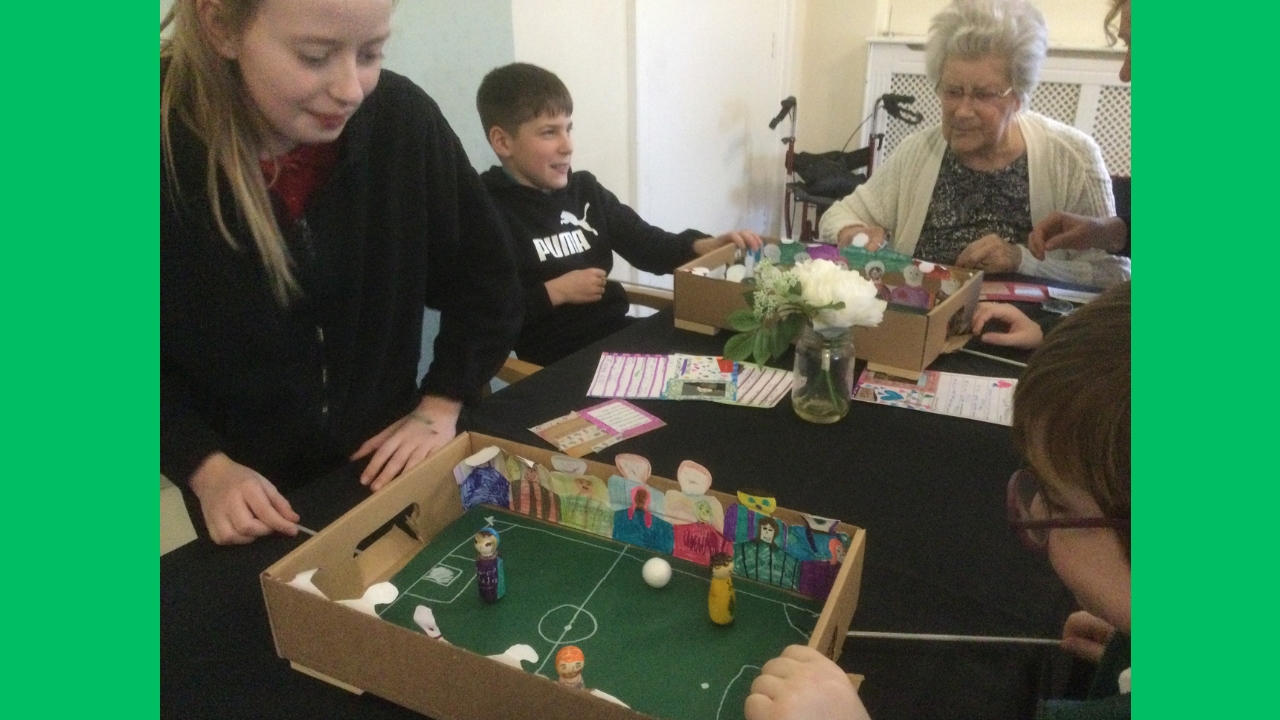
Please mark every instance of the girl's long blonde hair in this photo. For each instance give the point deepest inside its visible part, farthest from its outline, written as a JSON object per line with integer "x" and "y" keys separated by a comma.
{"x": 203, "y": 89}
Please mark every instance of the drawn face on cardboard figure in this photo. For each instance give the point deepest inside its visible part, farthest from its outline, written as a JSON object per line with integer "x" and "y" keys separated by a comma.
{"x": 585, "y": 486}
{"x": 641, "y": 497}
{"x": 703, "y": 510}
{"x": 912, "y": 275}
{"x": 767, "y": 532}
{"x": 486, "y": 544}
{"x": 633, "y": 467}
{"x": 837, "y": 551}
{"x": 693, "y": 478}
{"x": 875, "y": 271}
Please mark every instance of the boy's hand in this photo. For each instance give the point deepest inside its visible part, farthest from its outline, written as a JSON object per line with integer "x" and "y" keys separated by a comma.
{"x": 875, "y": 237}
{"x": 1023, "y": 332}
{"x": 408, "y": 440}
{"x": 744, "y": 239}
{"x": 577, "y": 287}
{"x": 1086, "y": 636}
{"x": 238, "y": 504}
{"x": 803, "y": 684}
{"x": 1067, "y": 231}
{"x": 992, "y": 254}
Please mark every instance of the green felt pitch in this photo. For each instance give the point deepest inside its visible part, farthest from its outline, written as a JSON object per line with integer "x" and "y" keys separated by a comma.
{"x": 655, "y": 649}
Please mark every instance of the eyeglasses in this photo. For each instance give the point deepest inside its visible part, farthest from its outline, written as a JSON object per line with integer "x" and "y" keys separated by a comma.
{"x": 1031, "y": 515}
{"x": 954, "y": 95}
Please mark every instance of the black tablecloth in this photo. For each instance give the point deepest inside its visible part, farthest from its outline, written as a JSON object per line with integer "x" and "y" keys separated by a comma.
{"x": 929, "y": 490}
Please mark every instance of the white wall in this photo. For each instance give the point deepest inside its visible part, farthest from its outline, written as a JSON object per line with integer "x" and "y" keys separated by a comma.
{"x": 446, "y": 47}
{"x": 588, "y": 44}
{"x": 1072, "y": 23}
{"x": 833, "y": 53}
{"x": 709, "y": 76}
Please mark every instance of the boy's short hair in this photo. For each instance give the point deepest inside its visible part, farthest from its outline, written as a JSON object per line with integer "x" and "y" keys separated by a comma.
{"x": 514, "y": 94}
{"x": 1071, "y": 408}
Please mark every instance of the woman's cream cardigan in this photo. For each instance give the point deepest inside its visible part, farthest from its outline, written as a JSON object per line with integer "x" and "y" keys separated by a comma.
{"x": 1066, "y": 173}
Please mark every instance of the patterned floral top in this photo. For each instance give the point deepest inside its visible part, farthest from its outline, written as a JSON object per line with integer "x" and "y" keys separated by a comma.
{"x": 968, "y": 204}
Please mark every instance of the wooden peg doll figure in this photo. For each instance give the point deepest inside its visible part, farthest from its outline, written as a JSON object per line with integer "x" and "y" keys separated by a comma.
{"x": 720, "y": 598}
{"x": 569, "y": 662}
{"x": 489, "y": 576}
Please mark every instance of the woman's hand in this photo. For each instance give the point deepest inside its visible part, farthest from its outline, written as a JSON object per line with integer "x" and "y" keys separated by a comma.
{"x": 1023, "y": 332}
{"x": 238, "y": 504}
{"x": 744, "y": 239}
{"x": 409, "y": 440}
{"x": 875, "y": 237}
{"x": 803, "y": 684}
{"x": 1086, "y": 636}
{"x": 992, "y": 254}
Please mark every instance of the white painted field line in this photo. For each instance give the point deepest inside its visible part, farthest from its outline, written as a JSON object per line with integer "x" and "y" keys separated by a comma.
{"x": 581, "y": 606}
{"x": 725, "y": 694}
{"x": 449, "y": 554}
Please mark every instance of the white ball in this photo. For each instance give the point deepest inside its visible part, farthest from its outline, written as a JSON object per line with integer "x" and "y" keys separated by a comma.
{"x": 656, "y": 572}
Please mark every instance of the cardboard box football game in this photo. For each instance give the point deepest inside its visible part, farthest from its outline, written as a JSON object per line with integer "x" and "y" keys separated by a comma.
{"x": 929, "y": 312}
{"x": 561, "y": 586}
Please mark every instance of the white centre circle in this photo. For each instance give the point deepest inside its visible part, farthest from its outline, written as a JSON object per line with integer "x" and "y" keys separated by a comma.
{"x": 562, "y": 616}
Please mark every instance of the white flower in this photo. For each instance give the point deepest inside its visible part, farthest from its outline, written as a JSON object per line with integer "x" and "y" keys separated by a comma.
{"x": 822, "y": 282}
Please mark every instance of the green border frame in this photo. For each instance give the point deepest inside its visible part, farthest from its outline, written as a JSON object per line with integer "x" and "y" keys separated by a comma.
{"x": 81, "y": 293}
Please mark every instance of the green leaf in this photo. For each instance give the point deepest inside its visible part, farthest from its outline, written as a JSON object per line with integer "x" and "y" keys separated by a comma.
{"x": 763, "y": 344}
{"x": 788, "y": 330}
{"x": 739, "y": 346}
{"x": 743, "y": 320}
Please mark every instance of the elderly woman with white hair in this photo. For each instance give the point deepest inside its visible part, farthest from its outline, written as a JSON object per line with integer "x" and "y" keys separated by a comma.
{"x": 969, "y": 191}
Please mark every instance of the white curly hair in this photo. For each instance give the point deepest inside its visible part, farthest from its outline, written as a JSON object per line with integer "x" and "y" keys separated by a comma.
{"x": 1012, "y": 29}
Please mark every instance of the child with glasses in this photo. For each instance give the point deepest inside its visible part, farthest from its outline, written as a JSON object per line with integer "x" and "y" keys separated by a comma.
{"x": 1071, "y": 423}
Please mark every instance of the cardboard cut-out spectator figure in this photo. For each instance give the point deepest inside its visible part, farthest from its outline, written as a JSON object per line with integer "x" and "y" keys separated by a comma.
{"x": 639, "y": 525}
{"x": 480, "y": 480}
{"x": 698, "y": 541}
{"x": 912, "y": 293}
{"x": 875, "y": 273}
{"x": 530, "y": 496}
{"x": 764, "y": 558}
{"x": 584, "y": 504}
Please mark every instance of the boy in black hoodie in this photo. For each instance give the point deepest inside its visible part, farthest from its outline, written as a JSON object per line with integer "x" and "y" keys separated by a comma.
{"x": 565, "y": 224}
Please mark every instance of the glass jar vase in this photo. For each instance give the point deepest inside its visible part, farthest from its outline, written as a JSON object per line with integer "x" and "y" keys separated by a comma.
{"x": 823, "y": 379}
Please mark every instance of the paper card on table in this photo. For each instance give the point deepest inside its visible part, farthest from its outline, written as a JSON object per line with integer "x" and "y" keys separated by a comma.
{"x": 597, "y": 427}
{"x": 626, "y": 375}
{"x": 1013, "y": 292}
{"x": 966, "y": 396}
{"x": 761, "y": 386}
{"x": 701, "y": 377}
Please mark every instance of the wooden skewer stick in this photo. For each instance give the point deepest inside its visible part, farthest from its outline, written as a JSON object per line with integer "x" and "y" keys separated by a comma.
{"x": 931, "y": 637}
{"x": 997, "y": 358}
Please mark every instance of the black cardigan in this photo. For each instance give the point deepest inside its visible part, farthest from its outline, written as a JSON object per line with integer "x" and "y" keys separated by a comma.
{"x": 402, "y": 222}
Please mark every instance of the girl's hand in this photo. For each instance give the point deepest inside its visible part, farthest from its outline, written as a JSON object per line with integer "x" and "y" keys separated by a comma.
{"x": 409, "y": 440}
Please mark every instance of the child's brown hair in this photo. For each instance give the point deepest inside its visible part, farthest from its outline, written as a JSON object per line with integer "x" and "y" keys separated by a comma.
{"x": 1072, "y": 405}
{"x": 514, "y": 94}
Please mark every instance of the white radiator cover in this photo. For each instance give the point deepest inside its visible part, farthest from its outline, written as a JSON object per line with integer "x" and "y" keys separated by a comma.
{"x": 1081, "y": 88}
